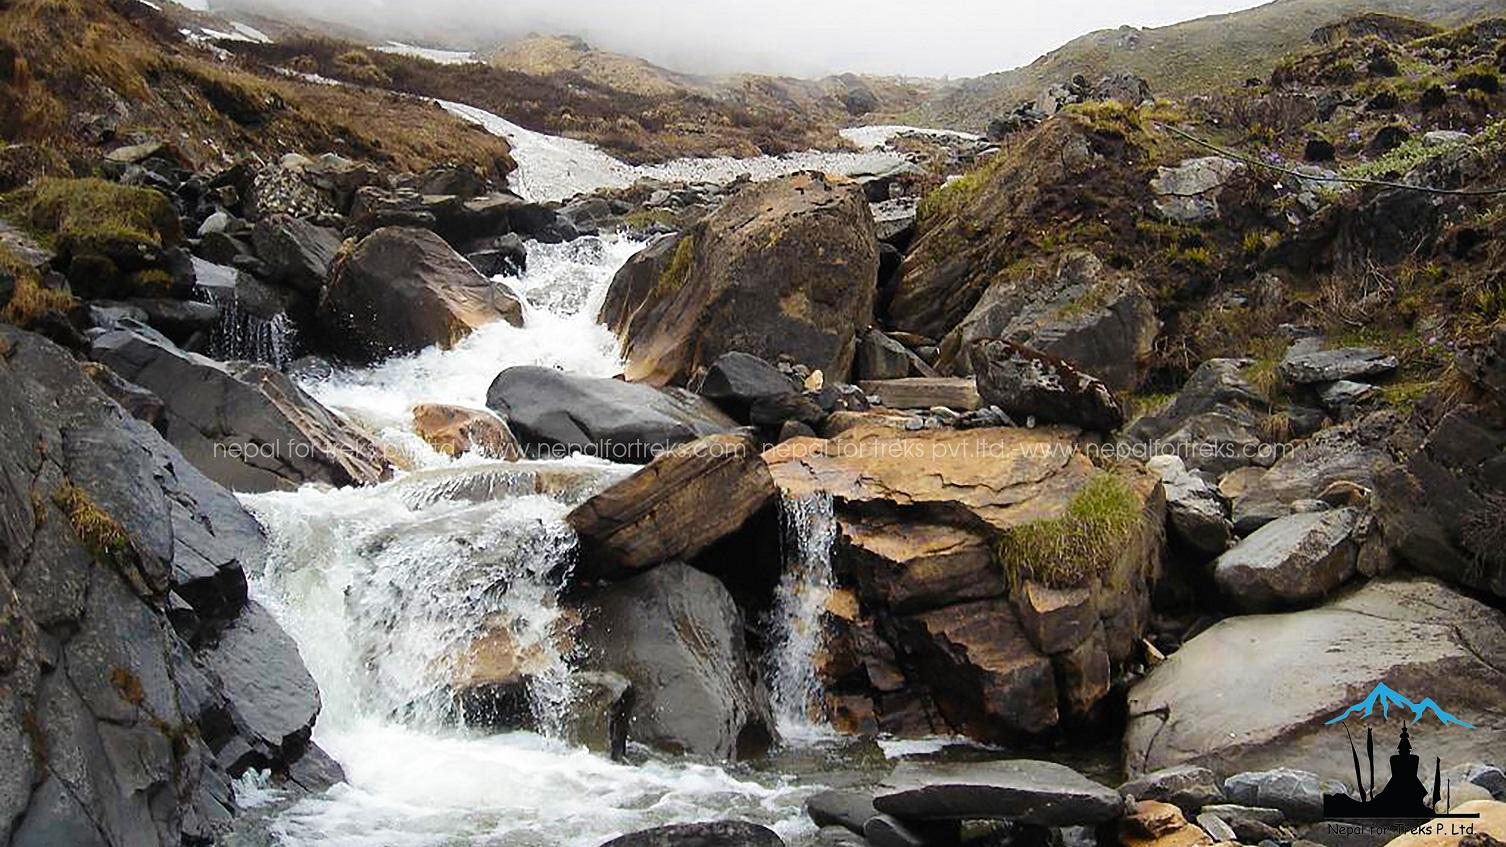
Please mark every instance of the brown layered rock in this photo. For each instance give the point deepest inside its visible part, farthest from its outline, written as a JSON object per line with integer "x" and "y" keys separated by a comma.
{"x": 783, "y": 267}
{"x": 956, "y": 393}
{"x": 454, "y": 431}
{"x": 401, "y": 290}
{"x": 676, "y": 507}
{"x": 953, "y": 629}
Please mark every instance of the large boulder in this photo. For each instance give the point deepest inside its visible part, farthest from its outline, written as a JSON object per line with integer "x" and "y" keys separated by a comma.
{"x": 1302, "y": 669}
{"x": 553, "y": 412}
{"x": 246, "y": 426}
{"x": 401, "y": 290}
{"x": 1189, "y": 193}
{"x": 1291, "y": 561}
{"x": 1025, "y": 382}
{"x": 1025, "y": 790}
{"x": 295, "y": 252}
{"x": 1214, "y": 424}
{"x": 1197, "y": 515}
{"x": 136, "y": 678}
{"x": 747, "y": 388}
{"x": 785, "y": 266}
{"x": 996, "y": 576}
{"x": 678, "y": 636}
{"x": 661, "y": 512}
{"x": 1097, "y": 320}
{"x": 1307, "y": 367}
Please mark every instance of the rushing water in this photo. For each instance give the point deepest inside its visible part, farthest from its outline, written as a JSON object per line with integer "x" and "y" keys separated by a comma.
{"x": 386, "y": 587}
{"x": 241, "y": 333}
{"x": 794, "y": 624}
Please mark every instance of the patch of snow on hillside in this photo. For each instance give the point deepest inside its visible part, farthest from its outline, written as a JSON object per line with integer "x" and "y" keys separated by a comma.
{"x": 442, "y": 57}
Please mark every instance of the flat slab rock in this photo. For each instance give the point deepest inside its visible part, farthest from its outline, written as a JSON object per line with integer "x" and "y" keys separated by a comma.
{"x": 1036, "y": 792}
{"x": 1351, "y": 363}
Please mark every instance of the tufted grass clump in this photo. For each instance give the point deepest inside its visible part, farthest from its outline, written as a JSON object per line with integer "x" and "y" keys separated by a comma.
{"x": 674, "y": 275}
{"x": 100, "y": 533}
{"x": 1078, "y": 546}
{"x": 30, "y": 301}
{"x": 89, "y": 215}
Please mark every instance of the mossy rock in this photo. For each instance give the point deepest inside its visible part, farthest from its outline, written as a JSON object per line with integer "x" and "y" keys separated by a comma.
{"x": 1078, "y": 546}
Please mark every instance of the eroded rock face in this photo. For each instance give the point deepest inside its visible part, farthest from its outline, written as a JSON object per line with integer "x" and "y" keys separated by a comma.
{"x": 1098, "y": 320}
{"x": 551, "y": 411}
{"x": 677, "y": 635}
{"x": 1421, "y": 637}
{"x": 401, "y": 290}
{"x": 129, "y": 696}
{"x": 785, "y": 266}
{"x": 246, "y": 426}
{"x": 677, "y": 506}
{"x": 935, "y": 633}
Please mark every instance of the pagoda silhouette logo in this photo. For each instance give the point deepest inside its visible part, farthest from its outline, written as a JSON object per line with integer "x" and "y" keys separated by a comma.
{"x": 1404, "y": 796}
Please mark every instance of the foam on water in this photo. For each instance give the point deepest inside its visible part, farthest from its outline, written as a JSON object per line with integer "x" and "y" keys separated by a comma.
{"x": 562, "y": 291}
{"x": 385, "y": 588}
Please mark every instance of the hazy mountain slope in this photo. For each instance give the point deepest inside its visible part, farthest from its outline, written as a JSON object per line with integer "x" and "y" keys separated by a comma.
{"x": 1209, "y": 53}
{"x": 74, "y": 73}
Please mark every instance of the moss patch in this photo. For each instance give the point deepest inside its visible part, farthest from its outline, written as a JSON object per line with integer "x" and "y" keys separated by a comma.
{"x": 674, "y": 275}
{"x": 91, "y": 215}
{"x": 1078, "y": 546}
{"x": 30, "y": 301}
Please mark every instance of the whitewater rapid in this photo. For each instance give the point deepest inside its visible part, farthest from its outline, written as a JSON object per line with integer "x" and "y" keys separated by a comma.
{"x": 382, "y": 587}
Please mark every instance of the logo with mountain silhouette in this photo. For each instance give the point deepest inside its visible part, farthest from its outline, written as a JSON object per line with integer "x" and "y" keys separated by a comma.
{"x": 1405, "y": 797}
{"x": 1386, "y": 698}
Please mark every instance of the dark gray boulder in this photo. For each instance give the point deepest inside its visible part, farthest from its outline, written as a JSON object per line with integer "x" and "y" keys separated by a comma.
{"x": 845, "y": 808}
{"x": 246, "y": 426}
{"x": 122, "y": 568}
{"x": 7, "y": 287}
{"x": 712, "y": 834}
{"x": 552, "y": 412}
{"x": 401, "y": 290}
{"x": 1025, "y": 382}
{"x": 881, "y": 357}
{"x": 1188, "y": 787}
{"x": 743, "y": 385}
{"x": 296, "y": 253}
{"x": 1290, "y": 562}
{"x": 1026, "y": 790}
{"x": 1195, "y": 511}
{"x": 1213, "y": 424}
{"x": 888, "y": 831}
{"x": 1354, "y": 453}
{"x": 1296, "y": 794}
{"x": 677, "y": 635}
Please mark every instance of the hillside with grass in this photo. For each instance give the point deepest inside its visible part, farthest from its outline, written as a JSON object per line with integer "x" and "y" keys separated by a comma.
{"x": 79, "y": 74}
{"x": 1201, "y": 56}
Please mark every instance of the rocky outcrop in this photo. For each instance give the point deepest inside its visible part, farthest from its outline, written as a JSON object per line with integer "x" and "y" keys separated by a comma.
{"x": 1189, "y": 193}
{"x": 961, "y": 617}
{"x": 665, "y": 511}
{"x": 1291, "y": 561}
{"x": 1353, "y": 453}
{"x": 246, "y": 426}
{"x": 1096, "y": 319}
{"x": 552, "y": 413}
{"x": 1025, "y": 382}
{"x": 454, "y": 431}
{"x": 136, "y": 679}
{"x": 783, "y": 267}
{"x": 401, "y": 290}
{"x": 677, "y": 635}
{"x": 1421, "y": 637}
{"x": 1306, "y": 367}
{"x": 1197, "y": 515}
{"x": 1214, "y": 424}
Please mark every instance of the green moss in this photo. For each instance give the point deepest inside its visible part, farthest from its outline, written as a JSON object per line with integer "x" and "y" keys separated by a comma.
{"x": 674, "y": 275}
{"x": 1079, "y": 546}
{"x": 1195, "y": 257}
{"x": 949, "y": 198}
{"x": 1399, "y": 161}
{"x": 90, "y": 215}
{"x": 1404, "y": 396}
{"x": 647, "y": 218}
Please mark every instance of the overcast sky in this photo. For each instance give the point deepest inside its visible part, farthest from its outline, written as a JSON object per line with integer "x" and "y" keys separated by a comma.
{"x": 803, "y": 37}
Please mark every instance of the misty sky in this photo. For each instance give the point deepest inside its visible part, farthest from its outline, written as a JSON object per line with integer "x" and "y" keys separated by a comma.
{"x": 804, "y": 37}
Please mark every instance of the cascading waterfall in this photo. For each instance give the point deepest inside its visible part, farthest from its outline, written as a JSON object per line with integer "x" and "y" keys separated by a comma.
{"x": 385, "y": 588}
{"x": 242, "y": 334}
{"x": 795, "y": 635}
